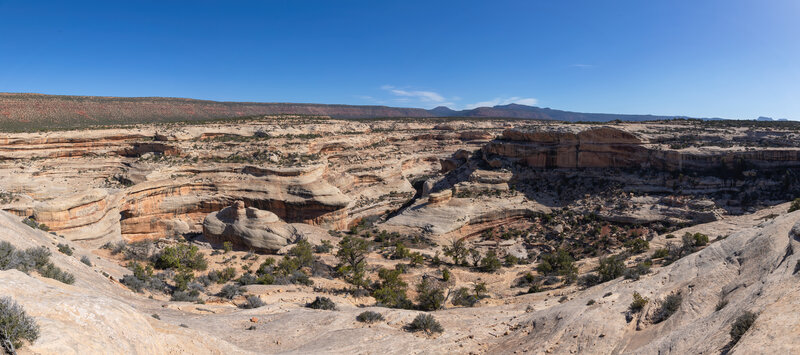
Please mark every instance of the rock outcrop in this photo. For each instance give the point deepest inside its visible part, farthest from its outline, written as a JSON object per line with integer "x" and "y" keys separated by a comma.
{"x": 248, "y": 228}
{"x": 608, "y": 147}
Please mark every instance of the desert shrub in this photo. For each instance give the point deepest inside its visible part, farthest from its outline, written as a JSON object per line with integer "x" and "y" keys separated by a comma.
{"x": 720, "y": 305}
{"x": 303, "y": 252}
{"x": 661, "y": 253}
{"x": 511, "y": 260}
{"x": 638, "y": 303}
{"x": 526, "y": 280}
{"x": 457, "y": 250}
{"x": 430, "y": 295}
{"x": 222, "y": 276}
{"x": 230, "y": 291}
{"x": 352, "y": 256}
{"x": 795, "y": 206}
{"x": 325, "y": 247}
{"x": 116, "y": 247}
{"x": 247, "y": 279}
{"x": 464, "y": 297}
{"x": 417, "y": 259}
{"x": 37, "y": 258}
{"x": 638, "y": 270}
{"x": 51, "y": 271}
{"x": 445, "y": 275}
{"x": 133, "y": 283}
{"x": 85, "y": 260}
{"x": 369, "y": 317}
{"x": 741, "y": 326}
{"x": 610, "y": 268}
{"x": 490, "y": 262}
{"x": 390, "y": 291}
{"x": 400, "y": 252}
{"x": 637, "y": 245}
{"x": 64, "y": 249}
{"x": 480, "y": 290}
{"x": 252, "y": 302}
{"x": 425, "y": 323}
{"x": 181, "y": 256}
{"x": 185, "y": 296}
{"x": 558, "y": 263}
{"x": 15, "y": 325}
{"x": 227, "y": 247}
{"x": 324, "y": 303}
{"x": 182, "y": 279}
{"x": 139, "y": 251}
{"x": 692, "y": 241}
{"x": 33, "y": 224}
{"x": 669, "y": 306}
{"x": 589, "y": 280}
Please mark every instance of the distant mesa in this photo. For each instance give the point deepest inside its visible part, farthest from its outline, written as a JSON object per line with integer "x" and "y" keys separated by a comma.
{"x": 19, "y": 111}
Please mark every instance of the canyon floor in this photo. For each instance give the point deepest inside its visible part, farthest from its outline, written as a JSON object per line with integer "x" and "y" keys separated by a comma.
{"x": 517, "y": 236}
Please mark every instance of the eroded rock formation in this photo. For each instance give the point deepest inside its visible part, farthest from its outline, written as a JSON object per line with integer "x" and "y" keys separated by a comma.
{"x": 248, "y": 228}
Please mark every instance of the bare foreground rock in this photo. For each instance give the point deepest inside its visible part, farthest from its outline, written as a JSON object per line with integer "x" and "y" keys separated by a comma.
{"x": 696, "y": 209}
{"x": 754, "y": 270}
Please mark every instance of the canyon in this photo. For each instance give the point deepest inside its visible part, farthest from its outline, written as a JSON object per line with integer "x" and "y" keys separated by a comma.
{"x": 244, "y": 191}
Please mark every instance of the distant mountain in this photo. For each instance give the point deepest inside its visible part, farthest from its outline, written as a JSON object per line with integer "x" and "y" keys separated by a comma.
{"x": 532, "y": 112}
{"x": 37, "y": 111}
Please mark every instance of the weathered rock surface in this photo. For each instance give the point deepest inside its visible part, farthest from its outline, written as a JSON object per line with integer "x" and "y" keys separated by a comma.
{"x": 249, "y": 228}
{"x": 607, "y": 147}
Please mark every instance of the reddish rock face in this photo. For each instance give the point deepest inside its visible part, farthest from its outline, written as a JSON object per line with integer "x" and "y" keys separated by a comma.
{"x": 593, "y": 148}
{"x": 607, "y": 147}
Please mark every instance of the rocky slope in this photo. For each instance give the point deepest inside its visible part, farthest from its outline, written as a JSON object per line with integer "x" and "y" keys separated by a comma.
{"x": 753, "y": 270}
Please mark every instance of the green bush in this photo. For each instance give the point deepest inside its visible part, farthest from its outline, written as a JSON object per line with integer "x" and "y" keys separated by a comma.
{"x": 430, "y": 295}
{"x": 795, "y": 205}
{"x": 65, "y": 249}
{"x": 661, "y": 253}
{"x": 325, "y": 247}
{"x": 400, "y": 252}
{"x": 222, "y": 276}
{"x": 15, "y": 325}
{"x": 638, "y": 303}
{"x": 741, "y": 326}
{"x": 369, "y": 317}
{"x": 391, "y": 290}
{"x": 181, "y": 256}
{"x": 230, "y": 291}
{"x": 560, "y": 263}
{"x": 252, "y": 302}
{"x": 637, "y": 245}
{"x": 457, "y": 250}
{"x": 352, "y": 257}
{"x": 669, "y": 306}
{"x": 185, "y": 296}
{"x": 227, "y": 247}
{"x": 425, "y": 323}
{"x": 610, "y": 268}
{"x": 32, "y": 259}
{"x": 324, "y": 303}
{"x": 490, "y": 262}
{"x": 85, "y": 260}
{"x": 464, "y": 297}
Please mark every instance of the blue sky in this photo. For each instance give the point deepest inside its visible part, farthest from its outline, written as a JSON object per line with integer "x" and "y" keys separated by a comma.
{"x": 703, "y": 58}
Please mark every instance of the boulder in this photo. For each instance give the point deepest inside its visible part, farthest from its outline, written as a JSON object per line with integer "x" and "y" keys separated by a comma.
{"x": 249, "y": 228}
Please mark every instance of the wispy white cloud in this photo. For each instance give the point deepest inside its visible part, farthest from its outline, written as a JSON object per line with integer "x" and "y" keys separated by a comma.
{"x": 504, "y": 101}
{"x": 424, "y": 96}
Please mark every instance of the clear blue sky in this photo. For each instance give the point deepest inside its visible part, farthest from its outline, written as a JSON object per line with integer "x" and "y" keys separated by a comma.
{"x": 703, "y": 58}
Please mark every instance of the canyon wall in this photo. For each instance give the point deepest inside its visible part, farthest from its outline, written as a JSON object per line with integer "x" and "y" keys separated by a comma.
{"x": 606, "y": 147}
